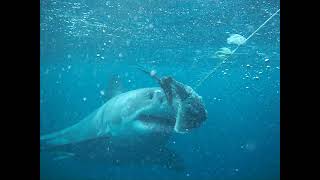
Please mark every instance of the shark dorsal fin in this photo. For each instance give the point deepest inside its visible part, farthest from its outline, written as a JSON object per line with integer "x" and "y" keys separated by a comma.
{"x": 114, "y": 87}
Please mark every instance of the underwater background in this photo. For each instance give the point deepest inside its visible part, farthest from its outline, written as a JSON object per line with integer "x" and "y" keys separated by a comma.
{"x": 84, "y": 43}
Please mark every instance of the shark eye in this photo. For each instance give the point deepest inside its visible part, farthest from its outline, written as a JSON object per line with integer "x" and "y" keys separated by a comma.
{"x": 161, "y": 100}
{"x": 150, "y": 95}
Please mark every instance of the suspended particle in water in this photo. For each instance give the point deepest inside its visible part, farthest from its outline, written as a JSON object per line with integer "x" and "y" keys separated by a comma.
{"x": 236, "y": 170}
{"x": 247, "y": 87}
{"x": 69, "y": 67}
{"x": 266, "y": 60}
{"x": 102, "y": 57}
{"x": 120, "y": 55}
{"x": 103, "y": 30}
{"x": 128, "y": 42}
{"x": 173, "y": 142}
{"x": 84, "y": 99}
{"x": 98, "y": 55}
{"x": 129, "y": 81}
{"x": 102, "y": 93}
{"x": 250, "y": 146}
{"x": 188, "y": 174}
{"x": 104, "y": 44}
{"x": 268, "y": 66}
{"x": 69, "y": 56}
{"x": 153, "y": 73}
{"x": 256, "y": 78}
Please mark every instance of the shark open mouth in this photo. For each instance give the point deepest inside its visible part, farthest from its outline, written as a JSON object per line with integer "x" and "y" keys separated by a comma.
{"x": 161, "y": 121}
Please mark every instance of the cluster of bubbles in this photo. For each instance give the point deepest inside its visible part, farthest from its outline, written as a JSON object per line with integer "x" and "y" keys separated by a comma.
{"x": 224, "y": 52}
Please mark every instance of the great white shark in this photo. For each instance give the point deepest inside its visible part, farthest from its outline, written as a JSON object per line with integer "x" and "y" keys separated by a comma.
{"x": 133, "y": 127}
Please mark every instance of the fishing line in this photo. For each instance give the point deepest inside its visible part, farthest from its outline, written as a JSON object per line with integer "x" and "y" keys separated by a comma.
{"x": 150, "y": 73}
{"x": 222, "y": 62}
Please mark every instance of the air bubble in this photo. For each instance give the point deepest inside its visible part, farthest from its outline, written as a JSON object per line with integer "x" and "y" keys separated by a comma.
{"x": 153, "y": 73}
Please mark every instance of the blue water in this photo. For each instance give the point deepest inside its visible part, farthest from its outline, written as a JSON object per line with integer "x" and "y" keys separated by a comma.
{"x": 83, "y": 43}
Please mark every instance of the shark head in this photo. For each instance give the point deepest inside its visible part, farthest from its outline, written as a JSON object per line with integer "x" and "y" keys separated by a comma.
{"x": 148, "y": 110}
{"x": 155, "y": 112}
{"x": 189, "y": 107}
